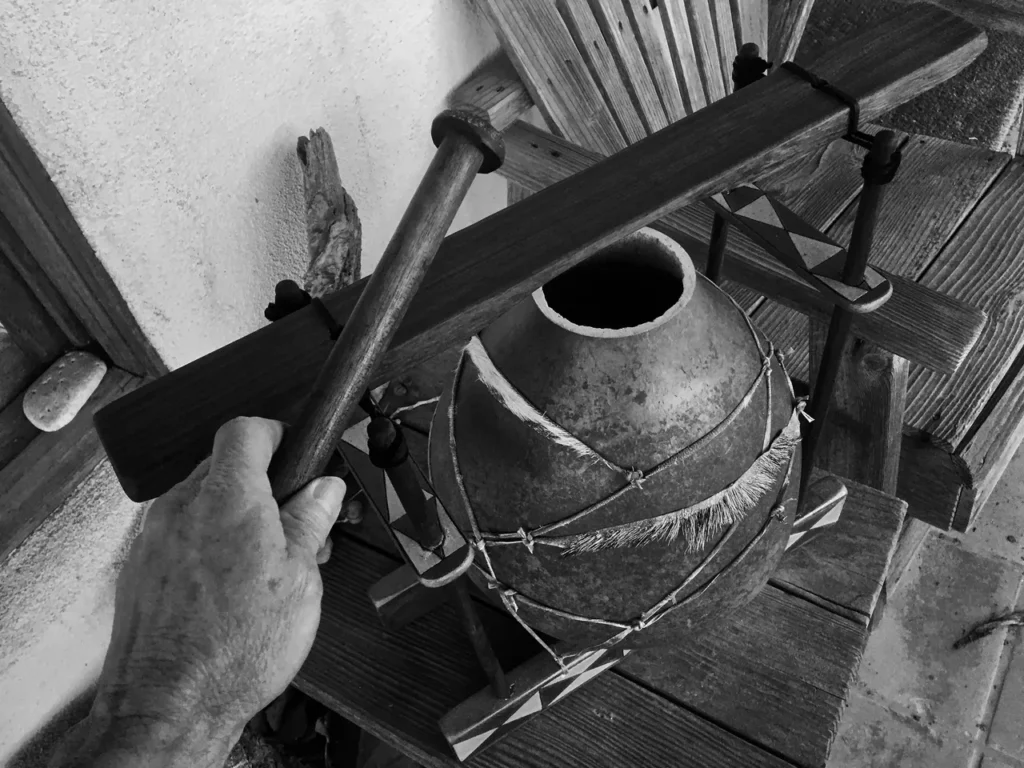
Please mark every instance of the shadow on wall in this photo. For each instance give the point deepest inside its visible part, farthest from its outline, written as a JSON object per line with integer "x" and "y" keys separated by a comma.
{"x": 38, "y": 750}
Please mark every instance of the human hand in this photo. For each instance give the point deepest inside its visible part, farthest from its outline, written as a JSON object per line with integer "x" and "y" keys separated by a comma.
{"x": 216, "y": 609}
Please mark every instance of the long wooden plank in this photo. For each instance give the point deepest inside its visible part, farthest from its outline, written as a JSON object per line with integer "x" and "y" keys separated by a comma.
{"x": 725, "y": 37}
{"x": 923, "y": 326}
{"x": 650, "y": 36}
{"x": 778, "y": 671}
{"x": 845, "y": 569}
{"x": 42, "y": 475}
{"x": 600, "y": 60}
{"x": 25, "y": 318}
{"x": 705, "y": 39}
{"x": 787, "y": 20}
{"x": 397, "y": 686}
{"x": 751, "y": 22}
{"x": 682, "y": 49}
{"x": 539, "y": 45}
{"x": 39, "y": 215}
{"x": 482, "y": 270}
{"x": 980, "y": 264}
{"x": 16, "y": 431}
{"x": 618, "y": 33}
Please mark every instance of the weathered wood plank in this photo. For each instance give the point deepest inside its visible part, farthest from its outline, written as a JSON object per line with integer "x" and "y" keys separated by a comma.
{"x": 397, "y": 686}
{"x": 16, "y": 431}
{"x": 594, "y": 50}
{"x": 62, "y": 255}
{"x": 38, "y": 480}
{"x": 496, "y": 94}
{"x": 650, "y": 36}
{"x": 1002, "y": 15}
{"x": 777, "y": 672}
{"x": 846, "y": 568}
{"x": 17, "y": 369}
{"x": 751, "y": 23}
{"x": 725, "y": 37}
{"x": 541, "y": 48}
{"x": 936, "y": 482}
{"x": 787, "y": 20}
{"x": 682, "y": 49}
{"x": 482, "y": 270}
{"x": 702, "y": 31}
{"x": 25, "y": 318}
{"x": 926, "y": 327}
{"x": 981, "y": 264}
{"x": 618, "y": 32}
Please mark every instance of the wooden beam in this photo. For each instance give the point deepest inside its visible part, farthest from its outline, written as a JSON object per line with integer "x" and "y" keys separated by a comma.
{"x": 39, "y": 479}
{"x": 156, "y": 437}
{"x": 62, "y": 256}
{"x": 25, "y": 318}
{"x": 495, "y": 94}
{"x": 787, "y": 20}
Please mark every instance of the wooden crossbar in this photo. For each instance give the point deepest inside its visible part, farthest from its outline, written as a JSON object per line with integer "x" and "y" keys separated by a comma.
{"x": 155, "y": 436}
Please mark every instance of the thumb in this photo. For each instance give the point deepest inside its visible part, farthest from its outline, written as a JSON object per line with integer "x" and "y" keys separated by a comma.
{"x": 307, "y": 516}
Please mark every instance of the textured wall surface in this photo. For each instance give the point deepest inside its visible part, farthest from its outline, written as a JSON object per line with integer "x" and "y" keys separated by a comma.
{"x": 170, "y": 130}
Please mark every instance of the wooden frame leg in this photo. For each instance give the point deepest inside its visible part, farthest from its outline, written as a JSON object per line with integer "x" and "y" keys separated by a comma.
{"x": 400, "y": 598}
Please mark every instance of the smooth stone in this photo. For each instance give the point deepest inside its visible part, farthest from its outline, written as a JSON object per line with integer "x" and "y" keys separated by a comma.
{"x": 58, "y": 395}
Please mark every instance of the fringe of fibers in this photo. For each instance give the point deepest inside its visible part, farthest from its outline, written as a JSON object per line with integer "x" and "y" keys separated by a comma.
{"x": 697, "y": 525}
{"x": 519, "y": 406}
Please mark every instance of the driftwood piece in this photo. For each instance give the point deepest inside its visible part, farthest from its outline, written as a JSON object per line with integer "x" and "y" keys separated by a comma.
{"x": 334, "y": 234}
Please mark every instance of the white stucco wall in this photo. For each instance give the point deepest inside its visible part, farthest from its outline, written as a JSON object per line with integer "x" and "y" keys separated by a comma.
{"x": 170, "y": 130}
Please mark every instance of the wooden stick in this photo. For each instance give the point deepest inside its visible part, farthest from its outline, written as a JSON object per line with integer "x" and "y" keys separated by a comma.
{"x": 156, "y": 437}
{"x": 307, "y": 447}
{"x": 880, "y": 155}
{"x": 716, "y": 250}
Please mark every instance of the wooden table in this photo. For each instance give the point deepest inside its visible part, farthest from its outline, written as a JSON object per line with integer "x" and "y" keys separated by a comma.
{"x": 764, "y": 688}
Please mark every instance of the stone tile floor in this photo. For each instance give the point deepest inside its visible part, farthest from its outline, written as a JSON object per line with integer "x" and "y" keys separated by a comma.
{"x": 918, "y": 702}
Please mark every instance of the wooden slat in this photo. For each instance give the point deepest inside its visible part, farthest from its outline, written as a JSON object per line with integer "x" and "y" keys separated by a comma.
{"x": 725, "y": 36}
{"x": 40, "y": 478}
{"x": 682, "y": 49}
{"x": 25, "y": 318}
{"x": 981, "y": 264}
{"x": 650, "y": 36}
{"x": 484, "y": 269}
{"x": 541, "y": 48}
{"x": 600, "y": 61}
{"x": 17, "y": 369}
{"x": 16, "y": 431}
{"x": 751, "y": 23}
{"x": 621, "y": 39}
{"x": 845, "y": 570}
{"x": 705, "y": 40}
{"x": 777, "y": 672}
{"x": 62, "y": 255}
{"x": 924, "y": 326}
{"x": 787, "y": 20}
{"x": 397, "y": 686}
{"x": 496, "y": 94}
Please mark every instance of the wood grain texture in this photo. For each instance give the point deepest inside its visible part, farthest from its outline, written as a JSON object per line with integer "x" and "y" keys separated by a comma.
{"x": 777, "y": 671}
{"x": 650, "y": 37}
{"x": 620, "y": 38}
{"x": 496, "y": 94}
{"x": 42, "y": 475}
{"x": 334, "y": 234}
{"x": 935, "y": 482}
{"x": 37, "y": 212}
{"x": 594, "y": 50}
{"x": 539, "y": 45}
{"x": 705, "y": 40}
{"x": 16, "y": 431}
{"x": 787, "y": 20}
{"x": 1002, "y": 15}
{"x": 924, "y": 326}
{"x": 750, "y": 18}
{"x": 683, "y": 50}
{"x": 25, "y": 318}
{"x": 981, "y": 265}
{"x": 725, "y": 37}
{"x": 845, "y": 570}
{"x": 309, "y": 443}
{"x": 911, "y": 538}
{"x": 482, "y": 270}
{"x": 397, "y": 686}
{"x": 17, "y": 369}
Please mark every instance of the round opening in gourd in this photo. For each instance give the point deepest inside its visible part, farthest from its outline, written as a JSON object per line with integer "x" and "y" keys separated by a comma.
{"x": 629, "y": 287}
